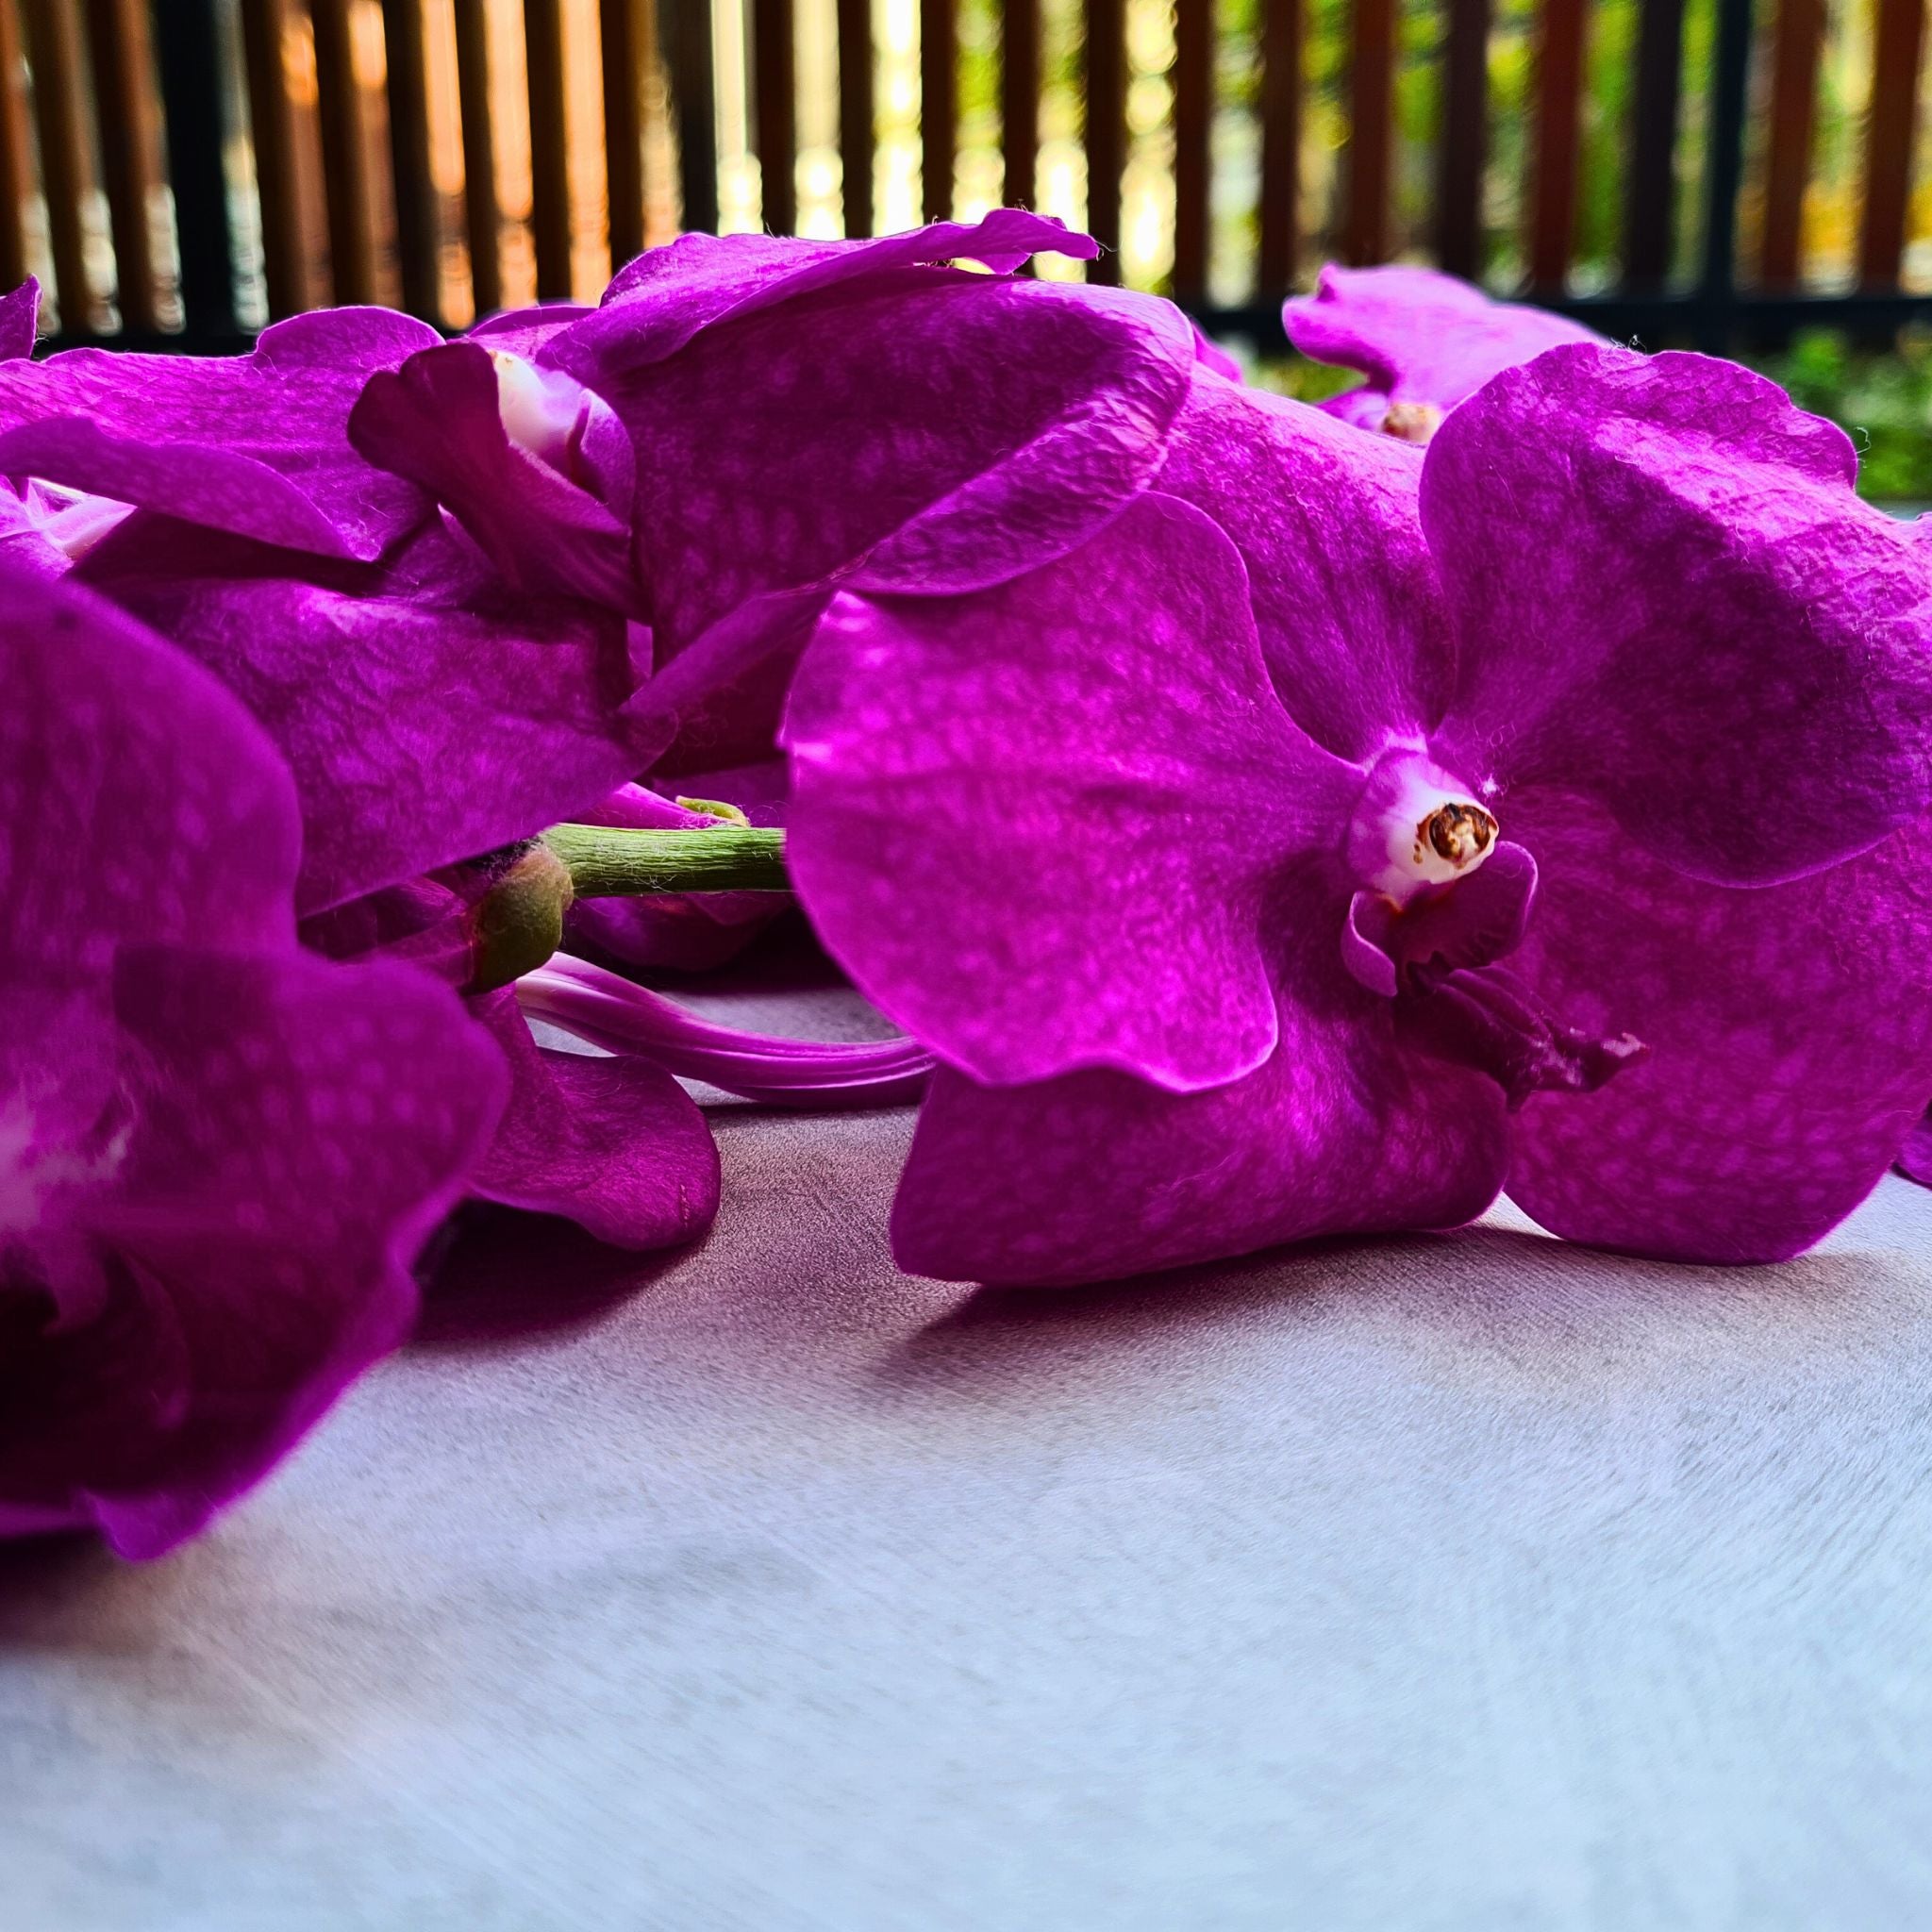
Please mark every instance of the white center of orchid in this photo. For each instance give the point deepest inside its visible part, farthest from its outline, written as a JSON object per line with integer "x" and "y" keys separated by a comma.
{"x": 541, "y": 407}
{"x": 1418, "y": 826}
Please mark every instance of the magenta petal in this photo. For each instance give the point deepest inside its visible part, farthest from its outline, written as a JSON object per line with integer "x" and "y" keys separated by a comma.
{"x": 614, "y": 1143}
{"x": 1470, "y": 923}
{"x": 1345, "y": 592}
{"x": 285, "y": 405}
{"x": 1041, "y": 826}
{"x": 660, "y": 301}
{"x": 1789, "y": 1030}
{"x": 198, "y": 482}
{"x": 1915, "y": 1157}
{"x": 1097, "y": 1175}
{"x": 436, "y": 421}
{"x": 20, "y": 319}
{"x": 524, "y": 331}
{"x": 426, "y": 716}
{"x": 984, "y": 426}
{"x": 1213, "y": 357}
{"x": 1417, "y": 335}
{"x": 301, "y": 1127}
{"x": 138, "y": 800}
{"x": 1669, "y": 596}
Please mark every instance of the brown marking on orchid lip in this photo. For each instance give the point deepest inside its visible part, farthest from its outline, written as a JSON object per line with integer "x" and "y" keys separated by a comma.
{"x": 1411, "y": 422}
{"x": 1459, "y": 833}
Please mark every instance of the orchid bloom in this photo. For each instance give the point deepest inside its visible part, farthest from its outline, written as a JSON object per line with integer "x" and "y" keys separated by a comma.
{"x": 257, "y": 445}
{"x": 219, "y": 1154}
{"x": 983, "y": 425}
{"x": 1345, "y": 834}
{"x": 428, "y": 710}
{"x": 1425, "y": 340}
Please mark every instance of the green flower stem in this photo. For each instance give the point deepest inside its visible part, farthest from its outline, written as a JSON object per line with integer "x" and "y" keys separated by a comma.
{"x": 607, "y": 862}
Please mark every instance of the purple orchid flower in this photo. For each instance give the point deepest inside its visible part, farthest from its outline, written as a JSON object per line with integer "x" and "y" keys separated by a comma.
{"x": 983, "y": 426}
{"x": 1425, "y": 340}
{"x": 255, "y": 444}
{"x": 430, "y": 712}
{"x": 218, "y": 1154}
{"x": 1532, "y": 815}
{"x": 430, "y": 716}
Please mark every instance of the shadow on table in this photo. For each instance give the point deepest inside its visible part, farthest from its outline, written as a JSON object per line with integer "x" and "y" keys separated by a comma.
{"x": 498, "y": 1274}
{"x": 1517, "y": 1291}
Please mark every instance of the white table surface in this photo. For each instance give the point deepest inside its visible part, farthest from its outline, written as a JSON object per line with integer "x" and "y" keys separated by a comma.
{"x": 1468, "y": 1583}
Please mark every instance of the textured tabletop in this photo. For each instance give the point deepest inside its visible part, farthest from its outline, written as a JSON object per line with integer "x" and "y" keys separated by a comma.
{"x": 1474, "y": 1582}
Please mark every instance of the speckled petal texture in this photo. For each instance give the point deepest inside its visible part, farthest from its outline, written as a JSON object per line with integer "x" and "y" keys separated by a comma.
{"x": 614, "y": 1143}
{"x": 303, "y": 1127}
{"x": 427, "y": 715}
{"x": 1790, "y": 1031}
{"x": 1040, "y": 825}
{"x": 1097, "y": 1175}
{"x": 286, "y": 407}
{"x": 217, "y": 1153}
{"x": 1668, "y": 594}
{"x": 110, "y": 746}
{"x": 1351, "y": 622}
{"x": 1417, "y": 336}
{"x": 983, "y": 426}
{"x": 659, "y": 302}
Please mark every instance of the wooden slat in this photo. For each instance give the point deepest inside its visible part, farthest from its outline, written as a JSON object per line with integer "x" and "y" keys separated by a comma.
{"x": 626, "y": 47}
{"x": 122, "y": 61}
{"x": 1193, "y": 127}
{"x": 1558, "y": 102}
{"x": 188, "y": 51}
{"x": 272, "y": 133}
{"x": 938, "y": 104}
{"x": 16, "y": 156}
{"x": 774, "y": 118}
{"x": 1281, "y": 141}
{"x": 1019, "y": 99}
{"x": 1650, "y": 199}
{"x": 856, "y": 129}
{"x": 1372, "y": 83}
{"x": 1105, "y": 131}
{"x": 686, "y": 28}
{"x": 53, "y": 29}
{"x": 1464, "y": 151}
{"x": 417, "y": 236}
{"x": 344, "y": 154}
{"x": 1797, "y": 41}
{"x": 1897, "y": 40}
{"x": 549, "y": 147}
{"x": 482, "y": 219}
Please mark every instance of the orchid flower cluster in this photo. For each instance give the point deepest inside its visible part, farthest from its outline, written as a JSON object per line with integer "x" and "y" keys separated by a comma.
{"x": 1262, "y": 820}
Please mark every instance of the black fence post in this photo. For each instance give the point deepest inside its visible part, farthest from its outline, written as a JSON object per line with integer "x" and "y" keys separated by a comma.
{"x": 1723, "y": 175}
{"x": 684, "y": 32}
{"x": 188, "y": 51}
